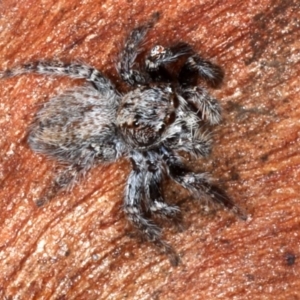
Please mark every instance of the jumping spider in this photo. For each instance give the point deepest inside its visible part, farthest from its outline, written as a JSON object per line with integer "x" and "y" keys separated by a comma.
{"x": 164, "y": 114}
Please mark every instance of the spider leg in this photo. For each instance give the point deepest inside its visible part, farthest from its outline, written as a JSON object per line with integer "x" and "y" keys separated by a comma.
{"x": 160, "y": 56}
{"x": 153, "y": 190}
{"x": 197, "y": 66}
{"x": 204, "y": 104}
{"x": 199, "y": 185}
{"x": 130, "y": 52}
{"x": 133, "y": 208}
{"x": 64, "y": 181}
{"x": 185, "y": 133}
{"x": 72, "y": 70}
{"x": 195, "y": 142}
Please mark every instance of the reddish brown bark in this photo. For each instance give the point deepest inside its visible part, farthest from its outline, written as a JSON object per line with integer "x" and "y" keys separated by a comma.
{"x": 77, "y": 246}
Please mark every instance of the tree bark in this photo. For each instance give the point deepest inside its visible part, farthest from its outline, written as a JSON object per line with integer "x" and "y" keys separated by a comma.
{"x": 79, "y": 245}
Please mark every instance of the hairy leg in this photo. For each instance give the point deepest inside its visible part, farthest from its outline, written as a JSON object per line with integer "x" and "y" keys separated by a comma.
{"x": 65, "y": 180}
{"x": 130, "y": 52}
{"x": 72, "y": 70}
{"x": 133, "y": 208}
{"x": 196, "y": 66}
{"x": 199, "y": 185}
{"x": 153, "y": 189}
{"x": 204, "y": 104}
{"x": 160, "y": 56}
{"x": 196, "y": 143}
{"x": 186, "y": 134}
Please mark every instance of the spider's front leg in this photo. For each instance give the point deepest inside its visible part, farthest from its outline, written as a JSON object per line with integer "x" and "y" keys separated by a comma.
{"x": 130, "y": 52}
{"x": 160, "y": 55}
{"x": 204, "y": 104}
{"x": 133, "y": 205}
{"x": 196, "y": 66}
{"x": 199, "y": 184}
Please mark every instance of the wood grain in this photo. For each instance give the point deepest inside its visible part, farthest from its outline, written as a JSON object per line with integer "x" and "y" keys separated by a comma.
{"x": 79, "y": 245}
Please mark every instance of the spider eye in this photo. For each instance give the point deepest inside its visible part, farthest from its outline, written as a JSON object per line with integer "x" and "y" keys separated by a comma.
{"x": 157, "y": 51}
{"x": 136, "y": 122}
{"x": 170, "y": 118}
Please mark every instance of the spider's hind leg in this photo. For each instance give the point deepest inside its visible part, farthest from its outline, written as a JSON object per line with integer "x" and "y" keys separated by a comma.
{"x": 65, "y": 180}
{"x": 72, "y": 70}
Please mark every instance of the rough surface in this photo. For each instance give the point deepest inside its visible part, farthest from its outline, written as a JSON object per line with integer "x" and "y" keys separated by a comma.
{"x": 79, "y": 246}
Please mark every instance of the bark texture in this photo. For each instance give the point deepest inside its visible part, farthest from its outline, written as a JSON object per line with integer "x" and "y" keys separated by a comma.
{"x": 78, "y": 246}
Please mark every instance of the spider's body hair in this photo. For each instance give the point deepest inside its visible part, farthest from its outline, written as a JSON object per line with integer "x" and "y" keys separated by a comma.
{"x": 70, "y": 120}
{"x": 163, "y": 115}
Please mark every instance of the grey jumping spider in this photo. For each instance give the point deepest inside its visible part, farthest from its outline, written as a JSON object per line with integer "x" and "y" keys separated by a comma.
{"x": 164, "y": 114}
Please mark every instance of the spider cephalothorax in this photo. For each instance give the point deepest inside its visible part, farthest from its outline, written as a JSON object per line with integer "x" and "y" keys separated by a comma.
{"x": 163, "y": 115}
{"x": 143, "y": 115}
